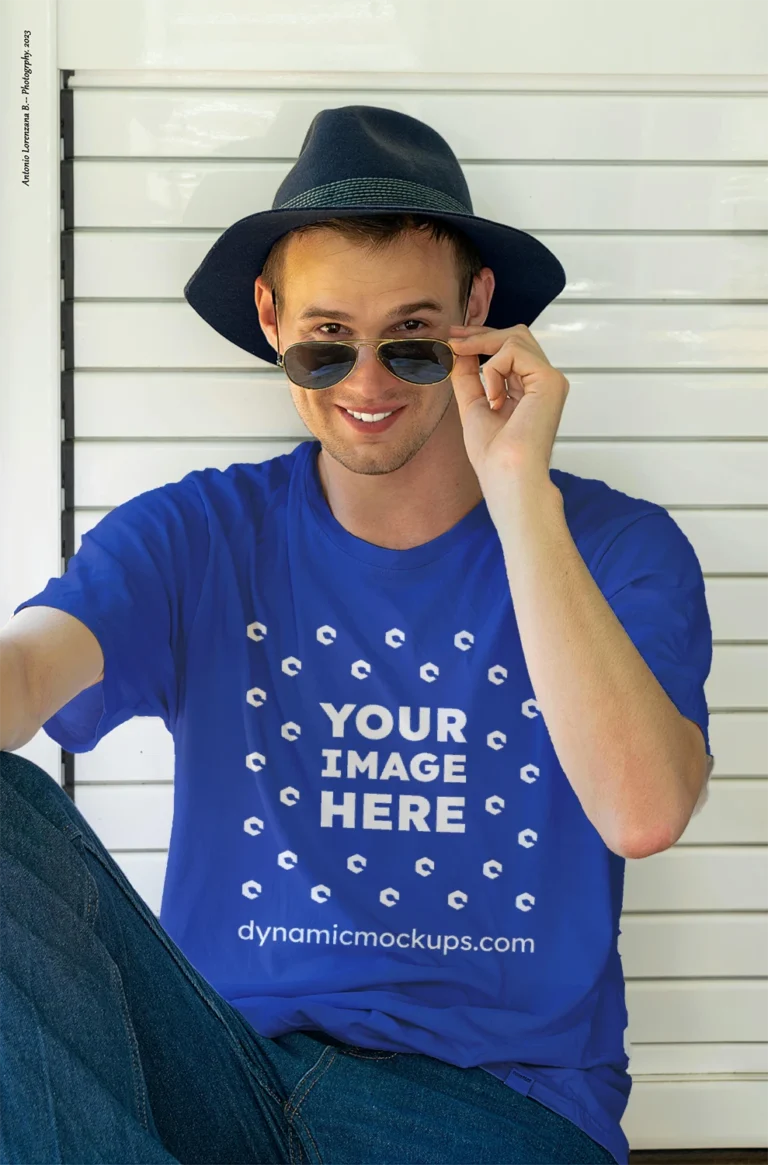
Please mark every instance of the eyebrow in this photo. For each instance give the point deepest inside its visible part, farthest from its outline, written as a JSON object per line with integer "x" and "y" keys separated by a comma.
{"x": 405, "y": 309}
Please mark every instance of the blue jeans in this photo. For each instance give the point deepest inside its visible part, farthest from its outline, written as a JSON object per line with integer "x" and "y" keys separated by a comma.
{"x": 113, "y": 1048}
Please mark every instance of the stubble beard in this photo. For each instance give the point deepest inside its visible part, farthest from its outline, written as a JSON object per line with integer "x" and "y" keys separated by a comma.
{"x": 381, "y": 458}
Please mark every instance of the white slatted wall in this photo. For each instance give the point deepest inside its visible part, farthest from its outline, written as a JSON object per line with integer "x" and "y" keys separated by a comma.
{"x": 654, "y": 198}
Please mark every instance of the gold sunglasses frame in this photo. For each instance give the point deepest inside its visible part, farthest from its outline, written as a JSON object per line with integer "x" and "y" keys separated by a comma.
{"x": 357, "y": 344}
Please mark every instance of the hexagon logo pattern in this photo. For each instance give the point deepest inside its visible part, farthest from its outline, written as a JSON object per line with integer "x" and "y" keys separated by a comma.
{"x": 356, "y": 863}
{"x": 291, "y": 665}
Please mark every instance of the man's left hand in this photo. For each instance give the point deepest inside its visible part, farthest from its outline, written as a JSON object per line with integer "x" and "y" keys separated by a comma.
{"x": 508, "y": 434}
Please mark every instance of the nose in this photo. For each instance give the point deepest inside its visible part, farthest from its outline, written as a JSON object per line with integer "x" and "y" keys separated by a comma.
{"x": 369, "y": 369}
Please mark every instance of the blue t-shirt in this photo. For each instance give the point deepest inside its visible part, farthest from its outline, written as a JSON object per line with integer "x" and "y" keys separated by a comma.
{"x": 372, "y": 834}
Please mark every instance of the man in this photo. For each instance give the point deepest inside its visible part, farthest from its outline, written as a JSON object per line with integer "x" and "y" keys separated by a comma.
{"x": 427, "y": 694}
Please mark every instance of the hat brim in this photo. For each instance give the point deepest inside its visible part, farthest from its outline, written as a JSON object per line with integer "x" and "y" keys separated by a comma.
{"x": 528, "y": 276}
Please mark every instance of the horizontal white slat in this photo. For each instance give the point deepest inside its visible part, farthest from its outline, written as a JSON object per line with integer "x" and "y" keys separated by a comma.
{"x": 687, "y": 474}
{"x": 725, "y": 541}
{"x": 214, "y": 193}
{"x": 108, "y": 473}
{"x": 197, "y": 404}
{"x": 739, "y": 677}
{"x": 128, "y": 817}
{"x": 109, "y": 334}
{"x": 659, "y": 946}
{"x": 157, "y": 264}
{"x": 701, "y": 1058}
{"x": 687, "y": 1011}
{"x": 702, "y": 877}
{"x": 348, "y": 80}
{"x": 142, "y": 749}
{"x": 738, "y": 608}
{"x": 420, "y": 36}
{"x": 740, "y": 743}
{"x": 138, "y": 816}
{"x": 258, "y": 404}
{"x": 700, "y": 473}
{"x": 696, "y": 1114}
{"x": 242, "y": 124}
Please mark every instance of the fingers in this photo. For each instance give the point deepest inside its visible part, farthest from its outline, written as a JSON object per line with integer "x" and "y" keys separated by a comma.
{"x": 496, "y": 386}
{"x": 513, "y": 349}
{"x": 467, "y": 385}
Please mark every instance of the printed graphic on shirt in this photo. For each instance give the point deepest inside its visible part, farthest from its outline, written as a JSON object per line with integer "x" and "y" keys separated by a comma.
{"x": 373, "y": 771}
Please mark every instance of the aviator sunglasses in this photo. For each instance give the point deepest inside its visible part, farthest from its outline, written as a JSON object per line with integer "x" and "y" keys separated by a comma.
{"x": 324, "y": 363}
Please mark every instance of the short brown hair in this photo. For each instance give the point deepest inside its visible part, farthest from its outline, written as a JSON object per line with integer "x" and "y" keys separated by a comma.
{"x": 376, "y": 231}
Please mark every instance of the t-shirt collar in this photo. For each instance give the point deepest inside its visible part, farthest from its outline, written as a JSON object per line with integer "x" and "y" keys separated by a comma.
{"x": 382, "y": 556}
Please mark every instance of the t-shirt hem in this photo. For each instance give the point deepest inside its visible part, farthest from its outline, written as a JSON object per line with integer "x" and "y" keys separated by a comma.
{"x": 614, "y": 1144}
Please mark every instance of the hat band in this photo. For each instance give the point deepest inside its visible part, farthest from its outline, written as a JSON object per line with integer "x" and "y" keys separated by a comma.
{"x": 376, "y": 192}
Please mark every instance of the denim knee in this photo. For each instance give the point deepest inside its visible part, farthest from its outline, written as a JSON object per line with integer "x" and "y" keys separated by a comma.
{"x": 37, "y": 787}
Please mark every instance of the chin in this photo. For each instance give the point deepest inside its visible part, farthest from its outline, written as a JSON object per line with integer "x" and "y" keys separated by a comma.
{"x": 386, "y": 456}
{"x": 371, "y": 459}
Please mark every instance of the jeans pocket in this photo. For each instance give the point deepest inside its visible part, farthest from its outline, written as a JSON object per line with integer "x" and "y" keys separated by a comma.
{"x": 367, "y": 1053}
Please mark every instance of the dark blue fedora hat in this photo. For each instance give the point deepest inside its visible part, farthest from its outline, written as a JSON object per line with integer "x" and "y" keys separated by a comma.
{"x": 362, "y": 160}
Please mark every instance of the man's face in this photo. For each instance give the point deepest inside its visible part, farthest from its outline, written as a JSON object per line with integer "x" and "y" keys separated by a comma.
{"x": 327, "y": 272}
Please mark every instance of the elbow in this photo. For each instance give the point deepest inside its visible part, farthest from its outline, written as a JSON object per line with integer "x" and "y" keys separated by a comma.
{"x": 648, "y": 840}
{"x": 644, "y": 845}
{"x": 642, "y": 840}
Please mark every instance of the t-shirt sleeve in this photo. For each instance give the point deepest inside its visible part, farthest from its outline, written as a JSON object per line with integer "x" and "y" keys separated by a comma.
{"x": 651, "y": 577}
{"x": 135, "y": 583}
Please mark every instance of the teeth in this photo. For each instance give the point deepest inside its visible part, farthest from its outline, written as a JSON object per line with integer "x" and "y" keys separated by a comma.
{"x": 369, "y": 416}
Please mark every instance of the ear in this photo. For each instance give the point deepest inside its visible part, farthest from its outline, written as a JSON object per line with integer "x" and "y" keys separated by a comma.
{"x": 262, "y": 295}
{"x": 480, "y": 299}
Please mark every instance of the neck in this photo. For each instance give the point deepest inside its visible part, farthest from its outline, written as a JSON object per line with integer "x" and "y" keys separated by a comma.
{"x": 416, "y": 503}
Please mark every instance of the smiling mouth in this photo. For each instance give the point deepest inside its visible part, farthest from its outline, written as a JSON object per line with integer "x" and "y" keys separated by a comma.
{"x": 373, "y": 422}
{"x": 369, "y": 416}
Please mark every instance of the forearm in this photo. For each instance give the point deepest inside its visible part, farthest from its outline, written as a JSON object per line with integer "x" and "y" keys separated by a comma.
{"x": 619, "y": 738}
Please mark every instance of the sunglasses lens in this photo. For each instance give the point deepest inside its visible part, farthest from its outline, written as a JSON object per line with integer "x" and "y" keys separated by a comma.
{"x": 318, "y": 365}
{"x": 418, "y": 361}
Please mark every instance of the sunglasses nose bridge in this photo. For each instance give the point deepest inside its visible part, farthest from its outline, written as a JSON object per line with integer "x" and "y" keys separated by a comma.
{"x": 373, "y": 360}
